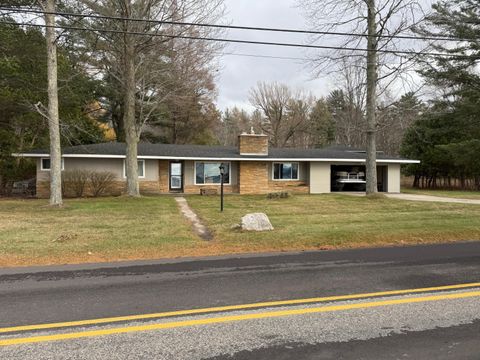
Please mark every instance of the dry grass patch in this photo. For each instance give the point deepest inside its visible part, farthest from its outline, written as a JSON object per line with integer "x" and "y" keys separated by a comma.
{"x": 109, "y": 229}
{"x": 338, "y": 221}
{"x": 91, "y": 230}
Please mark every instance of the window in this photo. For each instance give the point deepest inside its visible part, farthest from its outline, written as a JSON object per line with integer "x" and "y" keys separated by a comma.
{"x": 209, "y": 173}
{"x": 45, "y": 164}
{"x": 141, "y": 169}
{"x": 285, "y": 171}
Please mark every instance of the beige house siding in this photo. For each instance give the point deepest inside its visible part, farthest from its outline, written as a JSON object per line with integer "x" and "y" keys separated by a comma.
{"x": 246, "y": 177}
{"x": 320, "y": 177}
{"x": 148, "y": 184}
{"x": 115, "y": 166}
{"x": 393, "y": 178}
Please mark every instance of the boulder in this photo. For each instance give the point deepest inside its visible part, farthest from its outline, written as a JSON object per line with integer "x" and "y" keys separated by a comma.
{"x": 256, "y": 222}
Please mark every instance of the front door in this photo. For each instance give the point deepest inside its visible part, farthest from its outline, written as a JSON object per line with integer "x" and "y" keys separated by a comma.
{"x": 176, "y": 176}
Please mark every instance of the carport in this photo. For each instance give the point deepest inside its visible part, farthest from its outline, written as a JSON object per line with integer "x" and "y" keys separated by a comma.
{"x": 352, "y": 178}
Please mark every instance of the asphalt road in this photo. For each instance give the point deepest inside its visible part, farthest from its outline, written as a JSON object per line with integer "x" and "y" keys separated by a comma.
{"x": 440, "y": 323}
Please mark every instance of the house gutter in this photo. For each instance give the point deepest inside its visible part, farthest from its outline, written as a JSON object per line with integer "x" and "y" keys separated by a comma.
{"x": 146, "y": 157}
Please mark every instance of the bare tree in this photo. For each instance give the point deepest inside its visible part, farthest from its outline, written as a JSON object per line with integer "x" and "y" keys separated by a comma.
{"x": 347, "y": 104}
{"x": 138, "y": 55}
{"x": 52, "y": 116}
{"x": 284, "y": 113}
{"x": 374, "y": 26}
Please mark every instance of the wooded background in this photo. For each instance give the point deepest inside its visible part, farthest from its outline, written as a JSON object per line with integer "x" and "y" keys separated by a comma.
{"x": 174, "y": 87}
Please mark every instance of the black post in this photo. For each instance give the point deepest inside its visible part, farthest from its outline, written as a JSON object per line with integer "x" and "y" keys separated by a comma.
{"x": 222, "y": 173}
{"x": 221, "y": 192}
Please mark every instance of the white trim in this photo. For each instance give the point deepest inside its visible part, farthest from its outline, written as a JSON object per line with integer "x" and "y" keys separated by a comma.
{"x": 45, "y": 158}
{"x": 144, "y": 169}
{"x": 198, "y": 158}
{"x": 201, "y": 161}
{"x": 286, "y": 162}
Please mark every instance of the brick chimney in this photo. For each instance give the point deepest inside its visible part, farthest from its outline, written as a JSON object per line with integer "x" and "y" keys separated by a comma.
{"x": 253, "y": 144}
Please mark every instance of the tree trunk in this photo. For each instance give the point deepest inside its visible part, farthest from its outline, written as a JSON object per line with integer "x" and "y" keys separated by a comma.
{"x": 53, "y": 117}
{"x": 117, "y": 121}
{"x": 416, "y": 181}
{"x": 371, "y": 161}
{"x": 131, "y": 138}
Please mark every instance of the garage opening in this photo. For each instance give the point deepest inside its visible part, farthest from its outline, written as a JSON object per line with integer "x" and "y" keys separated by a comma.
{"x": 352, "y": 178}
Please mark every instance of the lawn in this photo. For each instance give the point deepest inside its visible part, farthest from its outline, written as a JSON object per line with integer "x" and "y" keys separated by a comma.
{"x": 108, "y": 229}
{"x": 445, "y": 193}
{"x": 338, "y": 221}
{"x": 92, "y": 230}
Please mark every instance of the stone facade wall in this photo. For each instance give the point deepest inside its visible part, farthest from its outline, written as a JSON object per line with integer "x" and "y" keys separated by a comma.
{"x": 43, "y": 189}
{"x": 163, "y": 180}
{"x": 195, "y": 189}
{"x": 253, "y": 177}
{"x": 116, "y": 188}
{"x": 150, "y": 187}
{"x": 296, "y": 187}
{"x": 253, "y": 144}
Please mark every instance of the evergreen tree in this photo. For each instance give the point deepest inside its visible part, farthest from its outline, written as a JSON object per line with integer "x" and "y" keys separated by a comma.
{"x": 446, "y": 139}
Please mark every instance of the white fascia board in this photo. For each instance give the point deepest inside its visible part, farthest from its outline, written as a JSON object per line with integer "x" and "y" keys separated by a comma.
{"x": 30, "y": 155}
{"x": 400, "y": 161}
{"x": 100, "y": 156}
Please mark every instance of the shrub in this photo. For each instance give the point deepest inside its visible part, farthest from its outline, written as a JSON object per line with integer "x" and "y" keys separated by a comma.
{"x": 101, "y": 182}
{"x": 278, "y": 195}
{"x": 74, "y": 182}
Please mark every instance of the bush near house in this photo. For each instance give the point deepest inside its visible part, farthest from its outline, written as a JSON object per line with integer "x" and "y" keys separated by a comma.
{"x": 79, "y": 183}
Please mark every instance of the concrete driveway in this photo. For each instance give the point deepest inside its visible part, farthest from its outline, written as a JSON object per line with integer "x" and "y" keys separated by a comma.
{"x": 415, "y": 197}
{"x": 418, "y": 197}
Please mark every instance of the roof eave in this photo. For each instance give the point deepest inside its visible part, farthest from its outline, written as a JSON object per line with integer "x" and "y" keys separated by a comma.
{"x": 204, "y": 158}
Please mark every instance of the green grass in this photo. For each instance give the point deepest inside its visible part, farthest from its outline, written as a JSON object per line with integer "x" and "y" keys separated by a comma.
{"x": 445, "y": 193}
{"x": 91, "y": 230}
{"x": 338, "y": 221}
{"x": 108, "y": 229}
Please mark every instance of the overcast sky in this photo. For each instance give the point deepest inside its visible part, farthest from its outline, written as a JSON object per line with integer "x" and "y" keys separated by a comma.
{"x": 238, "y": 74}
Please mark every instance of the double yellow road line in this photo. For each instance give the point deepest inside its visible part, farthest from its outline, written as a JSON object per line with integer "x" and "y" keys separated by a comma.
{"x": 232, "y": 318}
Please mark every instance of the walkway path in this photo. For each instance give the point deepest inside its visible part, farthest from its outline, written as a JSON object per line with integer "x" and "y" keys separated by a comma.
{"x": 200, "y": 229}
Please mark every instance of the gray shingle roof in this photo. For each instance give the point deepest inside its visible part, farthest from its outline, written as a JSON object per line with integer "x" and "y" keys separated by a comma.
{"x": 227, "y": 152}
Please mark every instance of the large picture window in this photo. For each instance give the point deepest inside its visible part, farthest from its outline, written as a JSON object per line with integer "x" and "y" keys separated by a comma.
{"x": 209, "y": 173}
{"x": 285, "y": 171}
{"x": 141, "y": 169}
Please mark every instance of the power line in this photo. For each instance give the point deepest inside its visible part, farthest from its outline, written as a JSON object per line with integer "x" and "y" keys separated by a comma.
{"x": 239, "y": 41}
{"x": 265, "y": 56}
{"x": 236, "y": 27}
